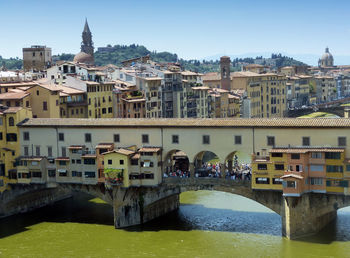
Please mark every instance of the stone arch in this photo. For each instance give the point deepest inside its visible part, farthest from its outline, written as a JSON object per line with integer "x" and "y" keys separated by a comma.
{"x": 206, "y": 161}
{"x": 176, "y": 160}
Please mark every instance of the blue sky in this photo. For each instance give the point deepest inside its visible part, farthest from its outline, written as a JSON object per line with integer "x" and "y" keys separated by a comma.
{"x": 192, "y": 28}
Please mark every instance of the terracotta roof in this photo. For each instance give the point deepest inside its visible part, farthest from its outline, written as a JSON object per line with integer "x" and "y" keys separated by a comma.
{"x": 136, "y": 156}
{"x": 12, "y": 110}
{"x": 292, "y": 175}
{"x": 89, "y": 156}
{"x": 76, "y": 147}
{"x": 121, "y": 151}
{"x": 104, "y": 145}
{"x": 14, "y": 95}
{"x": 201, "y": 88}
{"x": 18, "y": 84}
{"x": 211, "y": 77}
{"x": 305, "y": 150}
{"x": 149, "y": 149}
{"x": 187, "y": 122}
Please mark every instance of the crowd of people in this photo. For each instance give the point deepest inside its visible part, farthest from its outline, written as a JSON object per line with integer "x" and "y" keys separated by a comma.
{"x": 237, "y": 172}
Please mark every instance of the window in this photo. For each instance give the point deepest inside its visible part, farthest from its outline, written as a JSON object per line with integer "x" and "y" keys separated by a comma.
{"x": 63, "y": 149}
{"x": 26, "y": 151}
{"x": 62, "y": 162}
{"x": 11, "y": 121}
{"x": 89, "y": 174}
{"x": 206, "y": 139}
{"x": 316, "y": 155}
{"x": 116, "y": 138}
{"x": 148, "y": 176}
{"x": 342, "y": 141}
{"x": 316, "y": 168}
{"x": 89, "y": 161}
{"x": 61, "y": 137}
{"x": 103, "y": 110}
{"x": 271, "y": 140}
{"x": 121, "y": 162}
{"x": 277, "y": 155}
{"x": 279, "y": 166}
{"x": 51, "y": 172}
{"x": 11, "y": 137}
{"x": 110, "y": 162}
{"x": 316, "y": 181}
{"x": 277, "y": 181}
{"x": 26, "y": 136}
{"x": 37, "y": 150}
{"x": 262, "y": 166}
{"x": 45, "y": 105}
{"x": 298, "y": 168}
{"x": 76, "y": 174}
{"x": 88, "y": 137}
{"x": 134, "y": 162}
{"x": 334, "y": 169}
{"x": 78, "y": 161}
{"x": 291, "y": 184}
{"x": 110, "y": 110}
{"x": 145, "y": 138}
{"x": 36, "y": 174}
{"x": 262, "y": 180}
{"x": 306, "y": 141}
{"x": 238, "y": 139}
{"x": 175, "y": 139}
{"x": 62, "y": 172}
{"x": 0, "y": 136}
{"x": 295, "y": 156}
{"x": 49, "y": 151}
{"x": 332, "y": 155}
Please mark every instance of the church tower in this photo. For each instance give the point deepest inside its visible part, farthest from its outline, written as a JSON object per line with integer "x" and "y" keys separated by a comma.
{"x": 225, "y": 65}
{"x": 87, "y": 46}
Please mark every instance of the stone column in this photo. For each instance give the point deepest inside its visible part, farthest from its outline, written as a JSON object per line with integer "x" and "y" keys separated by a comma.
{"x": 192, "y": 170}
{"x": 307, "y": 215}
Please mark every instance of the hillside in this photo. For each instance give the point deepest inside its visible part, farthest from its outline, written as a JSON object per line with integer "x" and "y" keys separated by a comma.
{"x": 118, "y": 53}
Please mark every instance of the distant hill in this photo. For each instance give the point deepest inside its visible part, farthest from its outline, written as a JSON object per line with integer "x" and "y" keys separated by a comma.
{"x": 118, "y": 53}
{"x": 11, "y": 63}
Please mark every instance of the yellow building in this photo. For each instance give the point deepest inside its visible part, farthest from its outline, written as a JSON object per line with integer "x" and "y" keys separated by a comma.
{"x": 265, "y": 94}
{"x": 9, "y": 143}
{"x": 119, "y": 167}
{"x": 267, "y": 170}
{"x": 100, "y": 99}
{"x": 223, "y": 104}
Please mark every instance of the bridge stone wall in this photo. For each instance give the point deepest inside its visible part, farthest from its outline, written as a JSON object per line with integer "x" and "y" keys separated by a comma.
{"x": 24, "y": 198}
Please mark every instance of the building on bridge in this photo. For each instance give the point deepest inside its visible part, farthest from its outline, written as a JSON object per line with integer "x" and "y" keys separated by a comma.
{"x": 301, "y": 170}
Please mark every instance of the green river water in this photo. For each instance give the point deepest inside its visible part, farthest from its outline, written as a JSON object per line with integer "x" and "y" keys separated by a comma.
{"x": 208, "y": 224}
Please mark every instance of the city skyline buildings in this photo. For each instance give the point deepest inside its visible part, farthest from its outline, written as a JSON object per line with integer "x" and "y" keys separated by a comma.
{"x": 193, "y": 30}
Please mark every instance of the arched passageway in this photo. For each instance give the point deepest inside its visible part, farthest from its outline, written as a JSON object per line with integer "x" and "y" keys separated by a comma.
{"x": 176, "y": 164}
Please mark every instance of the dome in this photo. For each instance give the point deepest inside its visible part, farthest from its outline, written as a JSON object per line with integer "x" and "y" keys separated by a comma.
{"x": 83, "y": 57}
{"x": 327, "y": 55}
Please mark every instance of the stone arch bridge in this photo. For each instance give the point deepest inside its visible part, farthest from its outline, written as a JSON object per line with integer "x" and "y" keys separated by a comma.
{"x": 136, "y": 205}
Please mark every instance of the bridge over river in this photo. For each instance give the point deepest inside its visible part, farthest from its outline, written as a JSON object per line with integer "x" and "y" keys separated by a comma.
{"x": 136, "y": 205}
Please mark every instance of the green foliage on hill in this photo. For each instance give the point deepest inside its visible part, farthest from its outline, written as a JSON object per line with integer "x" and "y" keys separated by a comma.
{"x": 11, "y": 63}
{"x": 118, "y": 53}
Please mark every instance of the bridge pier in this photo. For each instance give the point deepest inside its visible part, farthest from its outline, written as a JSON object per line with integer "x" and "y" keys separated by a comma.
{"x": 135, "y": 206}
{"x": 310, "y": 213}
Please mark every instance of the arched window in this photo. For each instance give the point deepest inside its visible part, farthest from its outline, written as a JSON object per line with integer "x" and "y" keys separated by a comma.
{"x": 11, "y": 121}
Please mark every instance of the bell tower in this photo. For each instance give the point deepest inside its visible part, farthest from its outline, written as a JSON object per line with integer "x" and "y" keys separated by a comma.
{"x": 87, "y": 46}
{"x": 225, "y": 65}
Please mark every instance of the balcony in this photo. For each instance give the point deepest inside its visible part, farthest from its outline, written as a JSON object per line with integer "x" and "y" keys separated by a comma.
{"x": 77, "y": 103}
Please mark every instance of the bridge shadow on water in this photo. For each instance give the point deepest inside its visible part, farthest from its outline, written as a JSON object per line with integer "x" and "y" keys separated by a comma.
{"x": 81, "y": 208}
{"x": 198, "y": 217}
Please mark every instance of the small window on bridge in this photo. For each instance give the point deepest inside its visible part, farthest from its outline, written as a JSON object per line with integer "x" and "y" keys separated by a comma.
{"x": 279, "y": 166}
{"x": 332, "y": 155}
{"x": 206, "y": 139}
{"x": 175, "y": 139}
{"x": 306, "y": 141}
{"x": 238, "y": 139}
{"x": 89, "y": 174}
{"x": 316, "y": 155}
{"x": 271, "y": 140}
{"x": 277, "y": 181}
{"x": 262, "y": 180}
{"x": 291, "y": 184}
{"x": 262, "y": 166}
{"x": 341, "y": 141}
{"x": 277, "y": 155}
{"x": 295, "y": 156}
{"x": 36, "y": 174}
